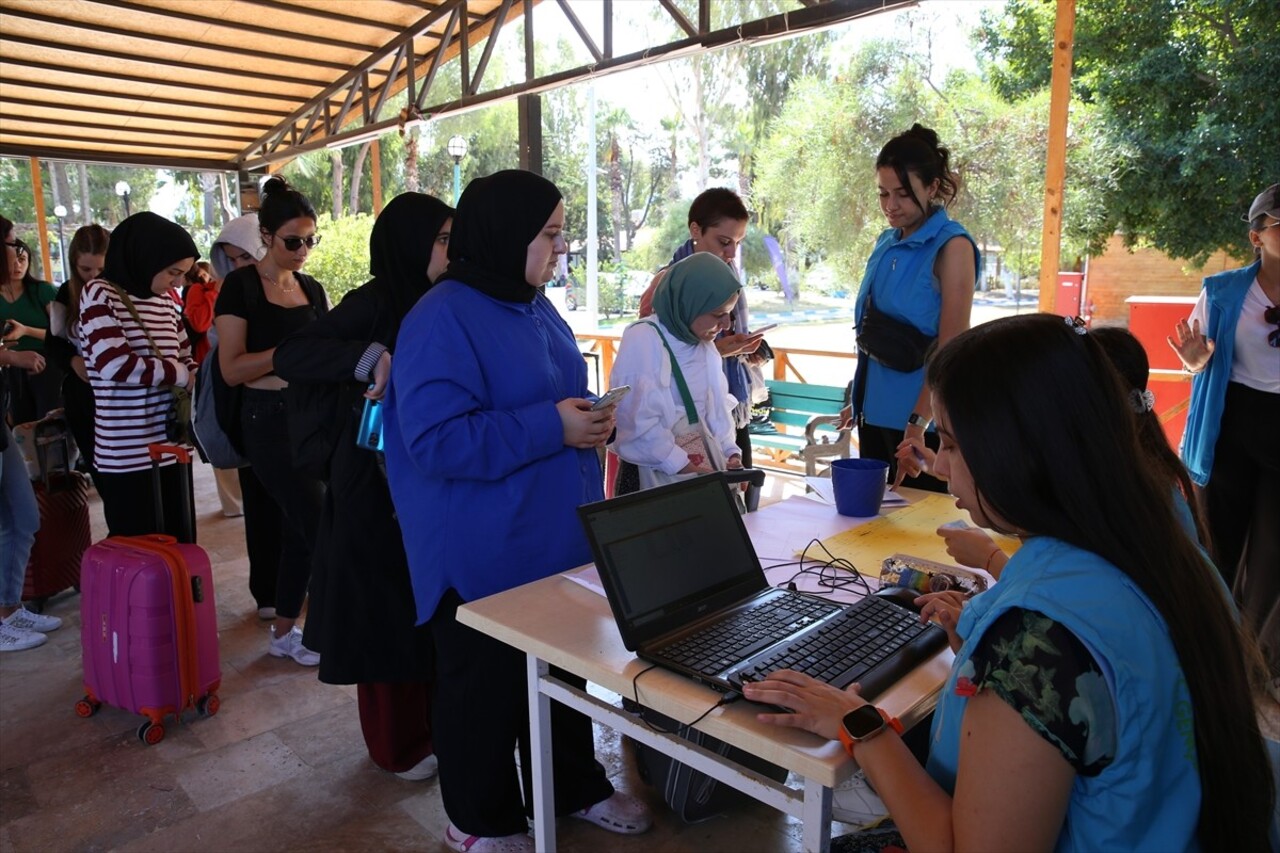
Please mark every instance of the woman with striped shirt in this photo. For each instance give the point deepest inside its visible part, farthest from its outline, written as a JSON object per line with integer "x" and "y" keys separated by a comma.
{"x": 135, "y": 350}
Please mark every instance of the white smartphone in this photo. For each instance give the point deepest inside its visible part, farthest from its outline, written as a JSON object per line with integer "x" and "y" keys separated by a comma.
{"x": 610, "y": 397}
{"x": 763, "y": 329}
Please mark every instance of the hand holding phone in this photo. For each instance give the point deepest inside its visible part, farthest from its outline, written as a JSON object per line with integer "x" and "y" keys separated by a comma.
{"x": 610, "y": 397}
{"x": 762, "y": 329}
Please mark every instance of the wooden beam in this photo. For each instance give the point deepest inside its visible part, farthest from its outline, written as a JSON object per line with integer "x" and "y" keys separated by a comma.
{"x": 1056, "y": 165}
{"x": 37, "y": 190}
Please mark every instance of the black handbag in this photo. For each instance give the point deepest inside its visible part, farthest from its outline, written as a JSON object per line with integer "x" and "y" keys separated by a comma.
{"x": 897, "y": 345}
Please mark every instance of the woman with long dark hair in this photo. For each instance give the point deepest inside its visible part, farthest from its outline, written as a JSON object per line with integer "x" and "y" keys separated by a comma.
{"x": 917, "y": 288}
{"x": 24, "y": 318}
{"x": 491, "y": 447}
{"x": 361, "y": 618}
{"x": 1102, "y": 694}
{"x": 258, "y": 307}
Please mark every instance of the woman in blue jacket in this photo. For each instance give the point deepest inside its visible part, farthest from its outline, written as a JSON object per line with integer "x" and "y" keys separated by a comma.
{"x": 1101, "y": 695}
{"x": 1232, "y": 345}
{"x": 918, "y": 287}
{"x": 491, "y": 447}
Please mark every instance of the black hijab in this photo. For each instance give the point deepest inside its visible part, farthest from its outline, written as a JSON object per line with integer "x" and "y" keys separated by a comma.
{"x": 400, "y": 248}
{"x": 142, "y": 246}
{"x": 498, "y": 217}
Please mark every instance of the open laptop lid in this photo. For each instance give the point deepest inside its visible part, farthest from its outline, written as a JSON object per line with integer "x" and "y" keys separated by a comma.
{"x": 671, "y": 555}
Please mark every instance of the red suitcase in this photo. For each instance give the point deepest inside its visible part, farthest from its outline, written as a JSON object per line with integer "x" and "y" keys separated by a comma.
{"x": 149, "y": 627}
{"x": 61, "y": 540}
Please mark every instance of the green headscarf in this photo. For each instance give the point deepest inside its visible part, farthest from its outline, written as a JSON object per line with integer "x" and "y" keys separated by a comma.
{"x": 697, "y": 285}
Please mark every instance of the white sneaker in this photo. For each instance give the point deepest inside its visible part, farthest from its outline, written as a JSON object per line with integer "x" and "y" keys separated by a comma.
{"x": 853, "y": 802}
{"x": 24, "y": 620}
{"x": 424, "y": 769}
{"x": 17, "y": 640}
{"x": 290, "y": 646}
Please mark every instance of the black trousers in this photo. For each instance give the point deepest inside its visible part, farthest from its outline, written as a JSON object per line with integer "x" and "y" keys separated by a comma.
{"x": 265, "y": 427}
{"x": 263, "y": 536}
{"x": 1242, "y": 505}
{"x": 128, "y": 502}
{"x": 877, "y": 442}
{"x": 481, "y": 714}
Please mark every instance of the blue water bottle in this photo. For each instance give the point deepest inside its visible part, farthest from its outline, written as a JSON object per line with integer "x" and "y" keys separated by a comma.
{"x": 369, "y": 436}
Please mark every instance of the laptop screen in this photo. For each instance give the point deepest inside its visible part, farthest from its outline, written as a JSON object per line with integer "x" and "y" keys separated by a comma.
{"x": 669, "y": 555}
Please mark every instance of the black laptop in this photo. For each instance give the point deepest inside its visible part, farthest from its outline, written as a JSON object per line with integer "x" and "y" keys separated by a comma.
{"x": 688, "y": 593}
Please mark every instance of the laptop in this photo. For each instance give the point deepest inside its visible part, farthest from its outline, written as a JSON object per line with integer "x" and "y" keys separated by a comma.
{"x": 688, "y": 593}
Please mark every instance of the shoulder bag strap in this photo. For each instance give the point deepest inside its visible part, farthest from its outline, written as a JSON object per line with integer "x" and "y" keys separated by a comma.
{"x": 691, "y": 413}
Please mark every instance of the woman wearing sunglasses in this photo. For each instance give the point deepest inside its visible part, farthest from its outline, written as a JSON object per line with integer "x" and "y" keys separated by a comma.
{"x": 258, "y": 307}
{"x": 24, "y": 321}
{"x": 1231, "y": 343}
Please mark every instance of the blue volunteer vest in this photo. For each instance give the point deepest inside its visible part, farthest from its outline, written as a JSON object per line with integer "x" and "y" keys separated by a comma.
{"x": 1149, "y": 797}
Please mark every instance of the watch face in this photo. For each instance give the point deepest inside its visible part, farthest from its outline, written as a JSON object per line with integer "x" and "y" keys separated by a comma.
{"x": 863, "y": 722}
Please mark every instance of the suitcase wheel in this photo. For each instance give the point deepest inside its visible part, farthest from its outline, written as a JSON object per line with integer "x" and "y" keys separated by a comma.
{"x": 150, "y": 733}
{"x": 87, "y": 707}
{"x": 208, "y": 705}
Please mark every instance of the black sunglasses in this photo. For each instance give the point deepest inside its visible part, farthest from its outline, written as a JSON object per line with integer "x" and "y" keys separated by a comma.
{"x": 293, "y": 244}
{"x": 19, "y": 248}
{"x": 1272, "y": 315}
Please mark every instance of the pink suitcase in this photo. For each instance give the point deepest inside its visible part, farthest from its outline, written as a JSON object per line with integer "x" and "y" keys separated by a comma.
{"x": 149, "y": 630}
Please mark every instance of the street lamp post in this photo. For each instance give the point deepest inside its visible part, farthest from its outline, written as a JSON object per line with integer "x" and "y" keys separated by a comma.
{"x": 122, "y": 190}
{"x": 61, "y": 212}
{"x": 457, "y": 148}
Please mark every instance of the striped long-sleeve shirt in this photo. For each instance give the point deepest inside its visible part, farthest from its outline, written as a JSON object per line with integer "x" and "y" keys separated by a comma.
{"x": 130, "y": 385}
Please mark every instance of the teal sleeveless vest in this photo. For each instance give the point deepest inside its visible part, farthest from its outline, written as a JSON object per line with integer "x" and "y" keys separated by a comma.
{"x": 1149, "y": 797}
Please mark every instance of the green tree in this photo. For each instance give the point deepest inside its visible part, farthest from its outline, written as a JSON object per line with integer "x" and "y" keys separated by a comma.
{"x": 1180, "y": 88}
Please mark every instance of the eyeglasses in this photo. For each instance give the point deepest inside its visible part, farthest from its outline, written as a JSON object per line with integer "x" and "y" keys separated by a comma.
{"x": 19, "y": 248}
{"x": 1269, "y": 225}
{"x": 293, "y": 244}
{"x": 1272, "y": 315}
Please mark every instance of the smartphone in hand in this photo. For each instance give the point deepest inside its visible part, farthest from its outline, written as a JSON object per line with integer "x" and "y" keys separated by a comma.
{"x": 610, "y": 397}
{"x": 763, "y": 329}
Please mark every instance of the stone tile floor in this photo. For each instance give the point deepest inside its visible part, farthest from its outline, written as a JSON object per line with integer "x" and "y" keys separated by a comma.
{"x": 281, "y": 767}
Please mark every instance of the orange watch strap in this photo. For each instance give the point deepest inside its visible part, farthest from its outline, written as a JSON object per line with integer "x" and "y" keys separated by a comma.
{"x": 849, "y": 743}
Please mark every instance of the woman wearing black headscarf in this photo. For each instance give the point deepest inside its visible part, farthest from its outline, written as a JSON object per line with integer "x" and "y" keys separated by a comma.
{"x": 360, "y": 616}
{"x": 135, "y": 349}
{"x": 491, "y": 446}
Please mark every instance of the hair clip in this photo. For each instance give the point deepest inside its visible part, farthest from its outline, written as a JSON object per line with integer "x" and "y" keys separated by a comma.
{"x": 1077, "y": 324}
{"x": 1141, "y": 400}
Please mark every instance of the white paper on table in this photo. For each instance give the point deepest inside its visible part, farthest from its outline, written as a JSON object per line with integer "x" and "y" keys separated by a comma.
{"x": 892, "y": 497}
{"x": 587, "y": 577}
{"x": 824, "y": 493}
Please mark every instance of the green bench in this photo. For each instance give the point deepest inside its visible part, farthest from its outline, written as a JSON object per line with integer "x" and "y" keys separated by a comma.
{"x": 801, "y": 426}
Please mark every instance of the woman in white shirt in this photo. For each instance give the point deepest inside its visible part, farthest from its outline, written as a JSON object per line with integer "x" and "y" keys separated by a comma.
{"x": 678, "y": 417}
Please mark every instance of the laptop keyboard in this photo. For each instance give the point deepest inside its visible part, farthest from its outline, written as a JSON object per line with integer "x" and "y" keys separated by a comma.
{"x": 873, "y": 642}
{"x": 733, "y": 639}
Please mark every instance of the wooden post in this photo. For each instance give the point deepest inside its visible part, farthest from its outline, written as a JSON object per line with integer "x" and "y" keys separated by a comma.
{"x": 375, "y": 163}
{"x": 1056, "y": 165}
{"x": 37, "y": 191}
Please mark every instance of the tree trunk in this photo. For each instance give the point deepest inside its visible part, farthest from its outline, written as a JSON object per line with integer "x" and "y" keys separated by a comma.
{"x": 224, "y": 200}
{"x": 411, "y": 160}
{"x": 86, "y": 212}
{"x": 618, "y": 207}
{"x": 357, "y": 175}
{"x": 700, "y": 119}
{"x": 335, "y": 160}
{"x": 208, "y": 189}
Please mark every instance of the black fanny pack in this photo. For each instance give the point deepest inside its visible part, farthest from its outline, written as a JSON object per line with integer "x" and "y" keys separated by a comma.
{"x": 897, "y": 345}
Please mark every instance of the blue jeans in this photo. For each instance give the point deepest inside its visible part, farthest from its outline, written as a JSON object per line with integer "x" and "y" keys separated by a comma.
{"x": 19, "y": 521}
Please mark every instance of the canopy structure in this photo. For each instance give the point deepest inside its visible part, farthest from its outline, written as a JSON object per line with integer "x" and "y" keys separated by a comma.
{"x": 240, "y": 84}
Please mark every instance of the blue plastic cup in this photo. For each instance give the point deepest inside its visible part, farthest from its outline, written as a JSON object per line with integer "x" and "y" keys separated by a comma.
{"x": 859, "y": 486}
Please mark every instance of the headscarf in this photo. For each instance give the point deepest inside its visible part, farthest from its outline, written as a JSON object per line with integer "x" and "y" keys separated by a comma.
{"x": 498, "y": 217}
{"x": 142, "y": 246}
{"x": 241, "y": 232}
{"x": 400, "y": 248}
{"x": 700, "y": 283}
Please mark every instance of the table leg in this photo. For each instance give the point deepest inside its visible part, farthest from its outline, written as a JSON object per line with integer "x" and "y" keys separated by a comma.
{"x": 544, "y": 802}
{"x": 817, "y": 817}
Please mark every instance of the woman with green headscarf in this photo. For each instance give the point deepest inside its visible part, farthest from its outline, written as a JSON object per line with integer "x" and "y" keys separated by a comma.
{"x": 677, "y": 420}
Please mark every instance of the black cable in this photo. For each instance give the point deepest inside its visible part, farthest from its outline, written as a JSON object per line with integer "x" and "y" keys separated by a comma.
{"x": 726, "y": 699}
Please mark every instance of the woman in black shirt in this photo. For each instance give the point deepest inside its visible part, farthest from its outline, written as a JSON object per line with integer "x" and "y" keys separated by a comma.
{"x": 258, "y": 307}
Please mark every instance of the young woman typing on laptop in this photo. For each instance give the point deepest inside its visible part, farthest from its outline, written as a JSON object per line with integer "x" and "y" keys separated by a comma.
{"x": 1101, "y": 695}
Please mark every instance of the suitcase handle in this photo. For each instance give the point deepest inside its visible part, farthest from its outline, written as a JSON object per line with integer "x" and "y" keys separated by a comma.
{"x": 159, "y": 451}
{"x": 182, "y": 453}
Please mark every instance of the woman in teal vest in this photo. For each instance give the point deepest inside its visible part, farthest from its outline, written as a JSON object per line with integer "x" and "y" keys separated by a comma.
{"x": 1101, "y": 694}
{"x": 917, "y": 291}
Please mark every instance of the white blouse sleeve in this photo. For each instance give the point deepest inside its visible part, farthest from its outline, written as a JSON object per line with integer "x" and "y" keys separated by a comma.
{"x": 647, "y": 416}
